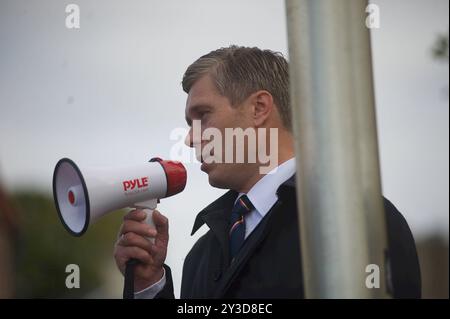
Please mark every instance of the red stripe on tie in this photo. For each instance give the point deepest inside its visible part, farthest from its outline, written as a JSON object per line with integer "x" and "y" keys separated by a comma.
{"x": 239, "y": 221}
{"x": 242, "y": 202}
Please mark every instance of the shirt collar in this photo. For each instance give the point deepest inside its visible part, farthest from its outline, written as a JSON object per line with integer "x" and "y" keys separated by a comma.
{"x": 263, "y": 194}
{"x": 217, "y": 213}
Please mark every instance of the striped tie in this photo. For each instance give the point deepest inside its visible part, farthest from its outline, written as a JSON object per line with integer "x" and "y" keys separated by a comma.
{"x": 237, "y": 230}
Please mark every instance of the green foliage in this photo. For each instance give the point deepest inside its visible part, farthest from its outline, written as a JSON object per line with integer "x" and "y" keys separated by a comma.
{"x": 440, "y": 47}
{"x": 45, "y": 248}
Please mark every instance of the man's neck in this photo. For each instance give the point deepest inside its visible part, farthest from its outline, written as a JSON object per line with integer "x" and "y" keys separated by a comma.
{"x": 285, "y": 153}
{"x": 257, "y": 177}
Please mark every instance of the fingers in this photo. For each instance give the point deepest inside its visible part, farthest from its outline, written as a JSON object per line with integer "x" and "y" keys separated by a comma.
{"x": 139, "y": 228}
{"x": 124, "y": 254}
{"x": 162, "y": 226}
{"x": 136, "y": 215}
{"x": 134, "y": 240}
{"x": 133, "y": 229}
{"x": 133, "y": 215}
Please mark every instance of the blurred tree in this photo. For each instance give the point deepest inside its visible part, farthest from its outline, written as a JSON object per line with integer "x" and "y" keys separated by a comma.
{"x": 440, "y": 53}
{"x": 45, "y": 248}
{"x": 433, "y": 258}
{"x": 440, "y": 47}
{"x": 8, "y": 232}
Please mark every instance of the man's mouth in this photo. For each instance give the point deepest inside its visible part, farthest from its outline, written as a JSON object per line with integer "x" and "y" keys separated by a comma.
{"x": 206, "y": 162}
{"x": 202, "y": 159}
{"x": 204, "y": 167}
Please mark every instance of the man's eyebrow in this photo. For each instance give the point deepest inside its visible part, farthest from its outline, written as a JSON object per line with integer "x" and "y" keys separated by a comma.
{"x": 195, "y": 109}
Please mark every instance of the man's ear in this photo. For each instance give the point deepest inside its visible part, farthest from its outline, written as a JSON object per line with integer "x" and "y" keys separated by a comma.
{"x": 262, "y": 107}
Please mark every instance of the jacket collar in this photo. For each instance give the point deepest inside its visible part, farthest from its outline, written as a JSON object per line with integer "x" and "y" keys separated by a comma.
{"x": 216, "y": 214}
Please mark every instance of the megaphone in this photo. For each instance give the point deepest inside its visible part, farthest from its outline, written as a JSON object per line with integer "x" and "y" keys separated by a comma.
{"x": 83, "y": 196}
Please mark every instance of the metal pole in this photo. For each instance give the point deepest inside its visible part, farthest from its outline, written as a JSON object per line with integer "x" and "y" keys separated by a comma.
{"x": 341, "y": 214}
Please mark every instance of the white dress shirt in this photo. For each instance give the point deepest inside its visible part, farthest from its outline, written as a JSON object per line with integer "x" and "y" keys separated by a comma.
{"x": 263, "y": 196}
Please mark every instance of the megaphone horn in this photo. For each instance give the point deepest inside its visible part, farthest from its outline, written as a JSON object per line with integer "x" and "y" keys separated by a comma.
{"x": 82, "y": 196}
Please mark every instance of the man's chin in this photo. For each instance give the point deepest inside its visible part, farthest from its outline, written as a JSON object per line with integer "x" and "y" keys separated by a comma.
{"x": 217, "y": 183}
{"x": 214, "y": 178}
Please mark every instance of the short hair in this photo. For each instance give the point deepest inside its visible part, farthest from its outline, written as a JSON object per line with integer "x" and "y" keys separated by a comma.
{"x": 240, "y": 71}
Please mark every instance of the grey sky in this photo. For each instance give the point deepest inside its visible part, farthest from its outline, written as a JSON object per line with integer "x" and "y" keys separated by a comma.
{"x": 109, "y": 93}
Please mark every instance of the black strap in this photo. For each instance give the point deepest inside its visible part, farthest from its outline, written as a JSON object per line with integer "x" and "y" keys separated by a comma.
{"x": 128, "y": 287}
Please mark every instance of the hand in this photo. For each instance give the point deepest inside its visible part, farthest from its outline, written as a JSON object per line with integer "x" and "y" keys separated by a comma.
{"x": 133, "y": 242}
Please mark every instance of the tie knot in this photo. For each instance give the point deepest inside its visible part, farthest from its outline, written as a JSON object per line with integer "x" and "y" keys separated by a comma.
{"x": 242, "y": 206}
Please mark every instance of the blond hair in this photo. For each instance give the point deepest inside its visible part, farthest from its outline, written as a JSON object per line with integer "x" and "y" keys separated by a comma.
{"x": 240, "y": 71}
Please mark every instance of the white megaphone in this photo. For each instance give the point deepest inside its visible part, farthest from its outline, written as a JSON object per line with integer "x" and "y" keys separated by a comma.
{"x": 82, "y": 196}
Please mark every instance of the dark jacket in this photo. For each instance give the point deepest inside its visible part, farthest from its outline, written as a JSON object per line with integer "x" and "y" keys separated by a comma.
{"x": 269, "y": 263}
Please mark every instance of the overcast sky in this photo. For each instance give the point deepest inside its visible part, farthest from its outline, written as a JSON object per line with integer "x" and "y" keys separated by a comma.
{"x": 109, "y": 93}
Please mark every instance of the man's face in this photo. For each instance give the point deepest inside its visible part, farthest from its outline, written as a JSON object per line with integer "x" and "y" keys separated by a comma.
{"x": 207, "y": 105}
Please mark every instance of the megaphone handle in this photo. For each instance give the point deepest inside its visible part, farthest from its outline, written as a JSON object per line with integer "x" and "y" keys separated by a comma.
{"x": 128, "y": 288}
{"x": 149, "y": 221}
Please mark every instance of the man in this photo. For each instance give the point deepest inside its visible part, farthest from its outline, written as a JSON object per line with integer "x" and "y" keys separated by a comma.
{"x": 251, "y": 249}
